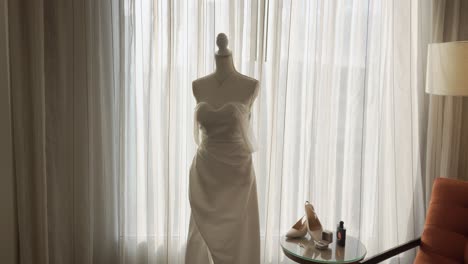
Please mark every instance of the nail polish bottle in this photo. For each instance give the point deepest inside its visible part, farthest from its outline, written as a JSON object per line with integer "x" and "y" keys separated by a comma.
{"x": 341, "y": 234}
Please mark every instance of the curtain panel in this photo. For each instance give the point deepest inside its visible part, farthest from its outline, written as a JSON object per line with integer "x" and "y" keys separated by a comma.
{"x": 64, "y": 78}
{"x": 447, "y": 124}
{"x": 340, "y": 118}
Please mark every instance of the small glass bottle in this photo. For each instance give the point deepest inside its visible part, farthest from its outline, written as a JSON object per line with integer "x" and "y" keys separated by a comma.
{"x": 341, "y": 234}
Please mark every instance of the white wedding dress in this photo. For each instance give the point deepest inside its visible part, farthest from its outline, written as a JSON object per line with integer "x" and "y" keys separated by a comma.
{"x": 224, "y": 225}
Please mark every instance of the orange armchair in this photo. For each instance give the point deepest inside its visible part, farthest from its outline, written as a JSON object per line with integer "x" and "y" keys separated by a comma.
{"x": 445, "y": 236}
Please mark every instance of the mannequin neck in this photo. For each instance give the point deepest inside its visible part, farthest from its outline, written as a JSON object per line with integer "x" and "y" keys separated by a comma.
{"x": 224, "y": 65}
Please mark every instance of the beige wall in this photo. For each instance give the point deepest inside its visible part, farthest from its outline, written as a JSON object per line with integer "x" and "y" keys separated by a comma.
{"x": 8, "y": 230}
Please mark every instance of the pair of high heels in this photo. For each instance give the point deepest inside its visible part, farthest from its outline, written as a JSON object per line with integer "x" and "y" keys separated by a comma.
{"x": 309, "y": 223}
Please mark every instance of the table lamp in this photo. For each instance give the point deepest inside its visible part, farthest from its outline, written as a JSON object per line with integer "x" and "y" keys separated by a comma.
{"x": 447, "y": 68}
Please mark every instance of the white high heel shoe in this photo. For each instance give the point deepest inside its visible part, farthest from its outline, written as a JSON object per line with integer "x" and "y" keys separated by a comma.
{"x": 314, "y": 227}
{"x": 299, "y": 229}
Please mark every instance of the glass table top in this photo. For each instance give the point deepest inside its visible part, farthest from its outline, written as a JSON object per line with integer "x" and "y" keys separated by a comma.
{"x": 304, "y": 248}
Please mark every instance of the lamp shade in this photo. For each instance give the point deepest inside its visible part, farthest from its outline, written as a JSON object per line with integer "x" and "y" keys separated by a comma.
{"x": 447, "y": 68}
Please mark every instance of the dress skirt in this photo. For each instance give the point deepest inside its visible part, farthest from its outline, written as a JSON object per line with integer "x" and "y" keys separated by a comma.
{"x": 224, "y": 222}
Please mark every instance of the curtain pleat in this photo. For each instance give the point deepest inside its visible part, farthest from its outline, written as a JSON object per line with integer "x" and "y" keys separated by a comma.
{"x": 26, "y": 36}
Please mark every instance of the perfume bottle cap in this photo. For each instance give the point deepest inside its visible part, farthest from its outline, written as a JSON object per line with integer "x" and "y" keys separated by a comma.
{"x": 341, "y": 224}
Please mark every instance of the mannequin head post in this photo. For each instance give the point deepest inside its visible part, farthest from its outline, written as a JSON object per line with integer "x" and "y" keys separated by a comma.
{"x": 223, "y": 57}
{"x": 222, "y": 43}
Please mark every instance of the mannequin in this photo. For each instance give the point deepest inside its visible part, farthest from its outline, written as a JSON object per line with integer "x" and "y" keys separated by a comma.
{"x": 224, "y": 224}
{"x": 226, "y": 84}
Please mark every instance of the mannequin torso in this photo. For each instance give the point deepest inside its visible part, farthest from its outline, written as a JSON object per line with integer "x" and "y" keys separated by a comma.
{"x": 235, "y": 88}
{"x": 225, "y": 84}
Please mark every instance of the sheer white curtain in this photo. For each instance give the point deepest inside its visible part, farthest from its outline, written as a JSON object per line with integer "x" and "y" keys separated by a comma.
{"x": 339, "y": 120}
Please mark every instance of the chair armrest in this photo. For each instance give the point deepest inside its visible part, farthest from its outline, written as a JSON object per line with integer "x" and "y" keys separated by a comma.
{"x": 392, "y": 252}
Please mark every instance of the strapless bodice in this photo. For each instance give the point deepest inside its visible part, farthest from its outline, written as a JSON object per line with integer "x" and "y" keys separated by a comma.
{"x": 226, "y": 125}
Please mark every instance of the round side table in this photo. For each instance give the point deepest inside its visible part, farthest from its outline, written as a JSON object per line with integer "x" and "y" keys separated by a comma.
{"x": 303, "y": 250}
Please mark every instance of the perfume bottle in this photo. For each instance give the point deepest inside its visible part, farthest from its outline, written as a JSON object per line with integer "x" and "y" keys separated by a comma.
{"x": 341, "y": 234}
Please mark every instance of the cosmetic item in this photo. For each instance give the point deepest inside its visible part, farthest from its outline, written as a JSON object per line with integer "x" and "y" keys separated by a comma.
{"x": 321, "y": 244}
{"x": 341, "y": 234}
{"x": 327, "y": 235}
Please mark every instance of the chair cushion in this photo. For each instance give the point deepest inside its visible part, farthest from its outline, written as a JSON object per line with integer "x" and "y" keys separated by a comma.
{"x": 445, "y": 232}
{"x": 424, "y": 257}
